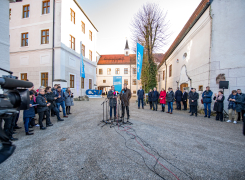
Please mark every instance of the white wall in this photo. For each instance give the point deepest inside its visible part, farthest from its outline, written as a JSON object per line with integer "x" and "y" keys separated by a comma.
{"x": 4, "y": 36}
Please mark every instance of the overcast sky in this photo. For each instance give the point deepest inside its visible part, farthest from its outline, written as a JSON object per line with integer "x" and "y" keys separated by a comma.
{"x": 113, "y": 18}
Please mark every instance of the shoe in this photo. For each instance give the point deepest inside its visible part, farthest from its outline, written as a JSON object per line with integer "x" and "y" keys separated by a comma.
{"x": 52, "y": 115}
{"x": 60, "y": 119}
{"x": 170, "y": 113}
{"x": 31, "y": 130}
{"x": 37, "y": 125}
{"x": 208, "y": 116}
{"x": 70, "y": 113}
{"x": 221, "y": 120}
{"x": 17, "y": 127}
{"x": 142, "y": 107}
{"x": 13, "y": 139}
{"x": 60, "y": 110}
{"x": 65, "y": 116}
{"x": 196, "y": 115}
{"x": 14, "y": 133}
{"x": 191, "y": 115}
{"x": 228, "y": 121}
{"x": 235, "y": 122}
{"x": 138, "y": 107}
{"x": 42, "y": 128}
{"x": 205, "y": 116}
{"x": 30, "y": 126}
{"x": 49, "y": 125}
{"x": 167, "y": 112}
{"x": 28, "y": 133}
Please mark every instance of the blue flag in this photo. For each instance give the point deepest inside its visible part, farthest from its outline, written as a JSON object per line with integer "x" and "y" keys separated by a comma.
{"x": 82, "y": 72}
{"x": 117, "y": 82}
{"x": 139, "y": 58}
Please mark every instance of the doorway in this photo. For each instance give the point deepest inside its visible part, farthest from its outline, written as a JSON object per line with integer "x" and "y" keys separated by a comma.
{"x": 182, "y": 86}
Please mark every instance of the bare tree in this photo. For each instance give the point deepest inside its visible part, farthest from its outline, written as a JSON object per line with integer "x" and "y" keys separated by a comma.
{"x": 150, "y": 28}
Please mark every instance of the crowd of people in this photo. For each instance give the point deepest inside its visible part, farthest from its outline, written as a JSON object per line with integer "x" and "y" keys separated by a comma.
{"x": 44, "y": 102}
{"x": 236, "y": 99}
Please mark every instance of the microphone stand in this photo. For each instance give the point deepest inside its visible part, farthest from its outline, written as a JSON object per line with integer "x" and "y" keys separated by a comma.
{"x": 105, "y": 121}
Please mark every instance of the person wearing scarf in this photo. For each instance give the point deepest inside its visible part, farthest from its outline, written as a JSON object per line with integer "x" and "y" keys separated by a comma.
{"x": 219, "y": 105}
{"x": 112, "y": 96}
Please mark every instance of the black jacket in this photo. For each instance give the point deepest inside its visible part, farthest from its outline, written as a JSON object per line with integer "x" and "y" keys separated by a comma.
{"x": 50, "y": 98}
{"x": 178, "y": 95}
{"x": 155, "y": 96}
{"x": 42, "y": 103}
{"x": 185, "y": 96}
{"x": 195, "y": 97}
{"x": 140, "y": 94}
{"x": 112, "y": 100}
{"x": 150, "y": 96}
{"x": 219, "y": 104}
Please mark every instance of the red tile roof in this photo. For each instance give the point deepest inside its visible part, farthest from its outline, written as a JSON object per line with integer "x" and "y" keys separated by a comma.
{"x": 190, "y": 23}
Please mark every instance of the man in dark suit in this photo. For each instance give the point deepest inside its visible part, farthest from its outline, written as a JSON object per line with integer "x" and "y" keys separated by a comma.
{"x": 194, "y": 96}
{"x": 155, "y": 96}
{"x": 184, "y": 99}
{"x": 178, "y": 98}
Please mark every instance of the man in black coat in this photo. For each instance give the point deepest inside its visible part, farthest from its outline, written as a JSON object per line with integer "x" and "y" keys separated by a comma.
{"x": 190, "y": 100}
{"x": 112, "y": 96}
{"x": 51, "y": 97}
{"x": 155, "y": 96}
{"x": 184, "y": 99}
{"x": 242, "y": 113}
{"x": 178, "y": 98}
{"x": 150, "y": 98}
{"x": 43, "y": 109}
{"x": 194, "y": 96}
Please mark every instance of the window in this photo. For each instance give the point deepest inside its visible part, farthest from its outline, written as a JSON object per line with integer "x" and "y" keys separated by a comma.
{"x": 125, "y": 70}
{"x": 117, "y": 71}
{"x": 100, "y": 71}
{"x": 104, "y": 81}
{"x": 44, "y": 79}
{"x": 82, "y": 83}
{"x": 90, "y": 35}
{"x": 9, "y": 14}
{"x": 90, "y": 83}
{"x": 83, "y": 27}
{"x": 200, "y": 88}
{"x": 83, "y": 50}
{"x": 90, "y": 55}
{"x": 184, "y": 56}
{"x": 134, "y": 81}
{"x": 134, "y": 70}
{"x": 163, "y": 75}
{"x": 72, "y": 16}
{"x": 71, "y": 81}
{"x": 45, "y": 36}
{"x": 72, "y": 41}
{"x": 46, "y": 7}
{"x": 26, "y": 10}
{"x": 170, "y": 70}
{"x": 134, "y": 92}
{"x": 126, "y": 81}
{"x": 108, "y": 71}
{"x": 23, "y": 76}
{"x": 24, "y": 39}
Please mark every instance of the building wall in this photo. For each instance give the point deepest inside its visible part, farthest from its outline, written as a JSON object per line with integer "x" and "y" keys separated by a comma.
{"x": 4, "y": 36}
{"x": 109, "y": 78}
{"x": 227, "y": 50}
{"x": 196, "y": 65}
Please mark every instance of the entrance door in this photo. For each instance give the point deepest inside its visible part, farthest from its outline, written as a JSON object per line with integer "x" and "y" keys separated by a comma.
{"x": 182, "y": 86}
{"x": 90, "y": 83}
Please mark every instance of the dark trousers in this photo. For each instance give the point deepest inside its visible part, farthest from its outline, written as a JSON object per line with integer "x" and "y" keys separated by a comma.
{"x": 193, "y": 109}
{"x": 55, "y": 110}
{"x": 16, "y": 119}
{"x": 115, "y": 108}
{"x": 241, "y": 115}
{"x": 190, "y": 109}
{"x": 142, "y": 102}
{"x": 3, "y": 137}
{"x": 32, "y": 122}
{"x": 26, "y": 123}
{"x": 68, "y": 109}
{"x": 154, "y": 105}
{"x": 219, "y": 116}
{"x": 150, "y": 102}
{"x": 9, "y": 125}
{"x": 123, "y": 111}
{"x": 185, "y": 105}
{"x": 41, "y": 114}
{"x": 52, "y": 113}
{"x": 178, "y": 105}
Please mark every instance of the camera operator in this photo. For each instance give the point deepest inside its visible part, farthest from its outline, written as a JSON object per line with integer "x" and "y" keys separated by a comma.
{"x": 43, "y": 109}
{"x": 51, "y": 99}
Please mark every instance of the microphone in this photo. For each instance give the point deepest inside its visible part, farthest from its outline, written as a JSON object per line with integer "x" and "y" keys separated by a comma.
{"x": 9, "y": 83}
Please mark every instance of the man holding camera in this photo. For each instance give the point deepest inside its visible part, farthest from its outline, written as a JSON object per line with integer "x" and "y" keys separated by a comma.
{"x": 43, "y": 109}
{"x": 60, "y": 101}
{"x": 51, "y": 99}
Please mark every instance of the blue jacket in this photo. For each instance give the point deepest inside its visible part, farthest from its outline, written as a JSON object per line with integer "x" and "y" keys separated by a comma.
{"x": 207, "y": 96}
{"x": 178, "y": 95}
{"x": 29, "y": 112}
{"x": 62, "y": 98}
{"x": 155, "y": 96}
{"x": 140, "y": 94}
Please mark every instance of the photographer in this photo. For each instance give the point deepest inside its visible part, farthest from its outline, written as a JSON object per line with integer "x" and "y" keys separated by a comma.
{"x": 68, "y": 100}
{"x": 43, "y": 109}
{"x": 51, "y": 99}
{"x": 60, "y": 101}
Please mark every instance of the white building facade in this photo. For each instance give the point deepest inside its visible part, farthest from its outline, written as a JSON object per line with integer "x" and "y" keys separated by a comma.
{"x": 45, "y": 55}
{"x": 209, "y": 49}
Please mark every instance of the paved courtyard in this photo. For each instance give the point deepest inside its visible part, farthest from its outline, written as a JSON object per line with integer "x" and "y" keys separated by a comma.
{"x": 185, "y": 147}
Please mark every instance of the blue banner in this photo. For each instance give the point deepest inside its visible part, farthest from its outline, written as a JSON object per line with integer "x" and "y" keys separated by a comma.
{"x": 82, "y": 72}
{"x": 139, "y": 58}
{"x": 117, "y": 82}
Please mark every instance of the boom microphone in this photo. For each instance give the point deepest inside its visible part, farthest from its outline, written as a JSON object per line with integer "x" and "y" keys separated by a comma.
{"x": 9, "y": 83}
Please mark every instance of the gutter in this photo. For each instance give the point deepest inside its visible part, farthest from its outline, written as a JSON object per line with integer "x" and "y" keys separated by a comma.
{"x": 53, "y": 42}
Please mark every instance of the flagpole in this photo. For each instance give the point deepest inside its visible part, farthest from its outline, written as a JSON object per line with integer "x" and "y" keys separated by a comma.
{"x": 136, "y": 71}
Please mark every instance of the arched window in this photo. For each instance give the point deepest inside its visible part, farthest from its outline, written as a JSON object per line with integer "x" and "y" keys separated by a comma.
{"x": 184, "y": 56}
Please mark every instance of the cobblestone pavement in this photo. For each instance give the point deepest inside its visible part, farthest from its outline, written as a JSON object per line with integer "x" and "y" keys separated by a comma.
{"x": 190, "y": 147}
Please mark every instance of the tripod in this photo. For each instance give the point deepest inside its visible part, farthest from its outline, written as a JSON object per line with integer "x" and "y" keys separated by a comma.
{"x": 224, "y": 112}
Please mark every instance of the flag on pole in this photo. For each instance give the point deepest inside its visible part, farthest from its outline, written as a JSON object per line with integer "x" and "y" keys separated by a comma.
{"x": 139, "y": 59}
{"x": 82, "y": 71}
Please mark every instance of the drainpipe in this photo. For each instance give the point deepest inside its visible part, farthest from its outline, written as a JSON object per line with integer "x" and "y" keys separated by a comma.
{"x": 53, "y": 43}
{"x": 166, "y": 75}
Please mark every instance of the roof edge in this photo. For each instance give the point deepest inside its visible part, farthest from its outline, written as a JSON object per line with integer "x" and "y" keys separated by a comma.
{"x": 85, "y": 14}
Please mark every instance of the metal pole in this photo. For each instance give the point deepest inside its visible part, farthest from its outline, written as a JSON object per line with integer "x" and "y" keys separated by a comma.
{"x": 53, "y": 43}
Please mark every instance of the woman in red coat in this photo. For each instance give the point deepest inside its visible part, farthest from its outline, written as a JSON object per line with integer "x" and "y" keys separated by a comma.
{"x": 162, "y": 98}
